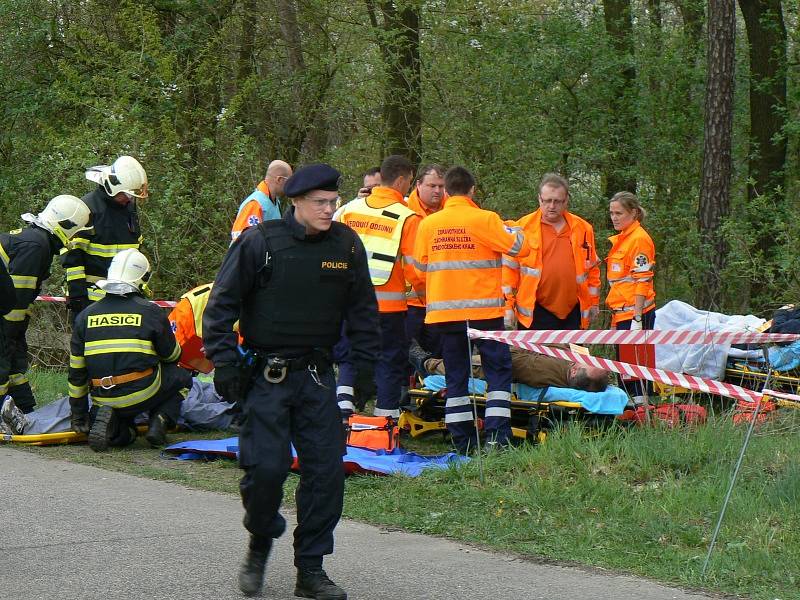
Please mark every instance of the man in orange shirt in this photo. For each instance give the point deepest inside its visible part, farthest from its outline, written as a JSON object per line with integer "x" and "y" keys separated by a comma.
{"x": 264, "y": 203}
{"x": 387, "y": 227}
{"x": 557, "y": 286}
{"x": 426, "y": 199}
{"x": 459, "y": 252}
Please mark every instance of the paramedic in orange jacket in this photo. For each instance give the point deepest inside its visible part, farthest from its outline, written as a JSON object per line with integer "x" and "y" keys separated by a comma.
{"x": 387, "y": 227}
{"x": 459, "y": 252}
{"x": 265, "y": 201}
{"x": 557, "y": 286}
{"x": 425, "y": 199}
{"x": 629, "y": 269}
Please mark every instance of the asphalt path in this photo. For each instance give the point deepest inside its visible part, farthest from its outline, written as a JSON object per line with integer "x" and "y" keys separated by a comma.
{"x": 76, "y": 532}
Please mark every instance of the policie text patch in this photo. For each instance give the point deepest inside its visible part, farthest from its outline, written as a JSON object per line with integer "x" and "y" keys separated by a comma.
{"x": 114, "y": 320}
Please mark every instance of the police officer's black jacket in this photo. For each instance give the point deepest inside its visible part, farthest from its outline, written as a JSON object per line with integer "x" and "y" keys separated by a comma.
{"x": 27, "y": 255}
{"x": 118, "y": 335}
{"x": 297, "y": 300}
{"x": 114, "y": 228}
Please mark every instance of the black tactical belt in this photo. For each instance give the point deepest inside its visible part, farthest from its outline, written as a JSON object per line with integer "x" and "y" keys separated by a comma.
{"x": 276, "y": 367}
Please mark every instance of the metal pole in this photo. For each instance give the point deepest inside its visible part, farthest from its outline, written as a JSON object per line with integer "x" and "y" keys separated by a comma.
{"x": 474, "y": 406}
{"x": 738, "y": 466}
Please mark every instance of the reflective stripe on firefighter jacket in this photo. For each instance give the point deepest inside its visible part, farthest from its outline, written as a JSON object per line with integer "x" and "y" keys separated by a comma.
{"x": 459, "y": 251}
{"x": 521, "y": 276}
{"x": 254, "y": 209}
{"x": 114, "y": 228}
{"x": 629, "y": 269}
{"x": 27, "y": 256}
{"x": 416, "y": 297}
{"x": 387, "y": 228}
{"x": 115, "y": 336}
{"x": 186, "y": 321}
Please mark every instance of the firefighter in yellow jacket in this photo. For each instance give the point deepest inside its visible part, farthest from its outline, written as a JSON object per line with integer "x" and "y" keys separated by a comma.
{"x": 123, "y": 351}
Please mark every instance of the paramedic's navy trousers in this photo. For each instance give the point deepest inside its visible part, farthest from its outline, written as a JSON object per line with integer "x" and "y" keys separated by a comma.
{"x": 496, "y": 364}
{"x": 390, "y": 368}
{"x": 426, "y": 335}
{"x": 304, "y": 413}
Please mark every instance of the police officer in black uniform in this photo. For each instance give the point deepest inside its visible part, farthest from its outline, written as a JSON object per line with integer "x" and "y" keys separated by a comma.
{"x": 27, "y": 255}
{"x": 124, "y": 351}
{"x": 115, "y": 227}
{"x": 291, "y": 282}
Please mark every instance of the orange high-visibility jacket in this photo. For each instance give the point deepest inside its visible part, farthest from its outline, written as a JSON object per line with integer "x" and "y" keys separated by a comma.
{"x": 459, "y": 252}
{"x": 629, "y": 270}
{"x": 521, "y": 276}
{"x": 251, "y": 211}
{"x": 377, "y": 219}
{"x": 186, "y": 320}
{"x": 415, "y": 296}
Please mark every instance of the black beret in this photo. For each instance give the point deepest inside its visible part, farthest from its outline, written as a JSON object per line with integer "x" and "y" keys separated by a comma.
{"x": 312, "y": 177}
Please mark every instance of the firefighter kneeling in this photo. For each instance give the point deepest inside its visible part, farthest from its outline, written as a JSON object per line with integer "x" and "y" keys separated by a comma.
{"x": 123, "y": 349}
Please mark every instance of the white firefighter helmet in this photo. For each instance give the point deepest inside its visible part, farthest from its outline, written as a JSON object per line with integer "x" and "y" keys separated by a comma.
{"x": 129, "y": 272}
{"x": 64, "y": 216}
{"x": 125, "y": 175}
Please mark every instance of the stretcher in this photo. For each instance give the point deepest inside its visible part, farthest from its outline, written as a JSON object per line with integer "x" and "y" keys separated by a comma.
{"x": 534, "y": 411}
{"x": 754, "y": 376}
{"x": 52, "y": 439}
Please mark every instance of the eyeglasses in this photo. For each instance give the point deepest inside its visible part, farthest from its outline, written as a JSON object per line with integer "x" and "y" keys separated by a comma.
{"x": 321, "y": 203}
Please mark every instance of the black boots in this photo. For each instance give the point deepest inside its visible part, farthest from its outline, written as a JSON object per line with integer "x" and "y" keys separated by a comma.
{"x": 156, "y": 434}
{"x": 417, "y": 356}
{"x": 314, "y": 583}
{"x": 103, "y": 429}
{"x": 251, "y": 573}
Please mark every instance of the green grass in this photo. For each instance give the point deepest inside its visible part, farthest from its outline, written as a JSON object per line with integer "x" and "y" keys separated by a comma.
{"x": 643, "y": 501}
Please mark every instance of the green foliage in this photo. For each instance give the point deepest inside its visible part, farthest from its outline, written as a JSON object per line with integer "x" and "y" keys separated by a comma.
{"x": 204, "y": 94}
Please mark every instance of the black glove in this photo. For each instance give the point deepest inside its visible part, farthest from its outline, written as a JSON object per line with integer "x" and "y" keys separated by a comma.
{"x": 76, "y": 304}
{"x": 79, "y": 423}
{"x": 364, "y": 388}
{"x": 228, "y": 383}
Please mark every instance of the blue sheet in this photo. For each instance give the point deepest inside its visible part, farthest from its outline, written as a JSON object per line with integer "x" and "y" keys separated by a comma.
{"x": 785, "y": 358}
{"x": 610, "y": 402}
{"x": 371, "y": 461}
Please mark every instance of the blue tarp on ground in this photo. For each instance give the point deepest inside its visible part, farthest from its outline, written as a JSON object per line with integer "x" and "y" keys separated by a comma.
{"x": 357, "y": 459}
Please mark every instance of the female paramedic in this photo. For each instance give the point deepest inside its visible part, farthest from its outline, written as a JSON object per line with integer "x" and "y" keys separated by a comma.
{"x": 629, "y": 269}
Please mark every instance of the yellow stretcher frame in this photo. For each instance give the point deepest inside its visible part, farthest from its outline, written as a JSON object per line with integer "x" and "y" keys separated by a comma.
{"x": 416, "y": 425}
{"x": 51, "y": 439}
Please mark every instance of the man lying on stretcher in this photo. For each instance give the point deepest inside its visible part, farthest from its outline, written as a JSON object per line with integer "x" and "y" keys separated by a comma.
{"x": 530, "y": 368}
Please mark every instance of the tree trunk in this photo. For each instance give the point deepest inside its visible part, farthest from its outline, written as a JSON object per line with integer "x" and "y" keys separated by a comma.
{"x": 399, "y": 45}
{"x": 766, "y": 36}
{"x": 716, "y": 177}
{"x": 620, "y": 168}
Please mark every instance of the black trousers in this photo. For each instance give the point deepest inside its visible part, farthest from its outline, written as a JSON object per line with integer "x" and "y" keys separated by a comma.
{"x": 301, "y": 412}
{"x": 167, "y": 401}
{"x": 544, "y": 319}
{"x": 14, "y": 364}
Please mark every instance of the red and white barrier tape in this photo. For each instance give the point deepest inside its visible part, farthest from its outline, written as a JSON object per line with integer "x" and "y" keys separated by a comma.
{"x": 691, "y": 382}
{"x": 161, "y": 303}
{"x": 647, "y": 336}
